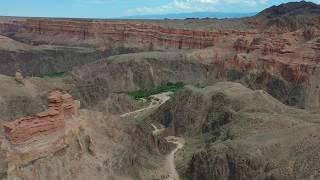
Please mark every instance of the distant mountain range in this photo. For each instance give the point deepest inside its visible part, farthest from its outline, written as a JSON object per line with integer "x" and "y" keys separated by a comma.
{"x": 200, "y": 15}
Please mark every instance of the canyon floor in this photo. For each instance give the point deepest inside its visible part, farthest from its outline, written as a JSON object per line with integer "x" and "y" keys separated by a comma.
{"x": 194, "y": 99}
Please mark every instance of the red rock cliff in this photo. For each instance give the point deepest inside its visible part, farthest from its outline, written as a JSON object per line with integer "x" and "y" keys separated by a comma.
{"x": 113, "y": 34}
{"x": 61, "y": 107}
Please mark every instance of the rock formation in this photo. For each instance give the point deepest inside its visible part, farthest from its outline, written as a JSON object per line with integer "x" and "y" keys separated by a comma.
{"x": 241, "y": 45}
{"x": 61, "y": 107}
{"x": 19, "y": 78}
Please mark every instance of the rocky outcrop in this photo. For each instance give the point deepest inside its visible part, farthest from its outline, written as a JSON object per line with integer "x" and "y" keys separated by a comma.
{"x": 241, "y": 45}
{"x": 274, "y": 45}
{"x": 19, "y": 78}
{"x": 310, "y": 33}
{"x": 61, "y": 107}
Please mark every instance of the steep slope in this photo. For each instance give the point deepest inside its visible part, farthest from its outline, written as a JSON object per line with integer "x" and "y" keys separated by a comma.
{"x": 17, "y": 99}
{"x": 11, "y": 45}
{"x": 235, "y": 133}
{"x": 47, "y": 59}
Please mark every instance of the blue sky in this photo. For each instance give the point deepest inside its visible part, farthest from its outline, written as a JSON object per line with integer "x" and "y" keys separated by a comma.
{"x": 120, "y": 8}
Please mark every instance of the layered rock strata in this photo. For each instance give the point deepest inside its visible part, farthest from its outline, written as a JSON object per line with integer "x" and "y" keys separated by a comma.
{"x": 112, "y": 34}
{"x": 21, "y": 130}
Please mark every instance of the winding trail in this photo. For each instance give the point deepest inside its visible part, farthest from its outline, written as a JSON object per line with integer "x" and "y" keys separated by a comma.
{"x": 169, "y": 164}
{"x": 137, "y": 111}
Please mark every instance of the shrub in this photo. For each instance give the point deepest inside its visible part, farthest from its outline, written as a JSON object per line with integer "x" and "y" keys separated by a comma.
{"x": 144, "y": 93}
{"x": 53, "y": 75}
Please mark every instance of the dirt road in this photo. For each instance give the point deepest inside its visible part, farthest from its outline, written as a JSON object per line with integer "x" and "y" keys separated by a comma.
{"x": 169, "y": 171}
{"x": 156, "y": 100}
{"x": 170, "y": 162}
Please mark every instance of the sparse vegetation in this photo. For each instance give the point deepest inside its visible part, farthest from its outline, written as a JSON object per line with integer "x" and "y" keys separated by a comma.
{"x": 53, "y": 75}
{"x": 173, "y": 87}
{"x": 3, "y": 176}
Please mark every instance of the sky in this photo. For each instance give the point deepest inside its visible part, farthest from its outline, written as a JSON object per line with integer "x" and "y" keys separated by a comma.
{"x": 122, "y": 8}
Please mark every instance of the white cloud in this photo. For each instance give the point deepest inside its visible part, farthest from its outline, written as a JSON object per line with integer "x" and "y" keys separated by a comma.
{"x": 96, "y": 1}
{"x": 177, "y": 6}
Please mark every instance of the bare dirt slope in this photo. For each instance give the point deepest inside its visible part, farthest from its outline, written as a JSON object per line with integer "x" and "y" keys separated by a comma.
{"x": 11, "y": 45}
{"x": 17, "y": 99}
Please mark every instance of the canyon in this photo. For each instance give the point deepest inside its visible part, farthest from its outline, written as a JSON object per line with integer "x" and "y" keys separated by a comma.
{"x": 288, "y": 58}
{"x": 194, "y": 99}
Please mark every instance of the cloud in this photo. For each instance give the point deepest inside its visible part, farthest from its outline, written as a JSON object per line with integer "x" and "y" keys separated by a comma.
{"x": 178, "y": 6}
{"x": 96, "y": 1}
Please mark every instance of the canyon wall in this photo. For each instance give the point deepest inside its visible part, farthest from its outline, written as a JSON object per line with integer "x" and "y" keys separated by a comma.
{"x": 42, "y": 61}
{"x": 293, "y": 84}
{"x": 110, "y": 34}
{"x": 39, "y": 62}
